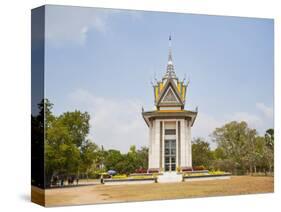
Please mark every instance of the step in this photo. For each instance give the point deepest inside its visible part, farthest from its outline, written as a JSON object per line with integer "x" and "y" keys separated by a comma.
{"x": 169, "y": 177}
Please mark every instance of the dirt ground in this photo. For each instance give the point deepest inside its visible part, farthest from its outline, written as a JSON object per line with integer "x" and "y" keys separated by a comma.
{"x": 93, "y": 194}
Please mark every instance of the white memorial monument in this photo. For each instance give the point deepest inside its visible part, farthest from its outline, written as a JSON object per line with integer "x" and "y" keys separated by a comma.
{"x": 169, "y": 124}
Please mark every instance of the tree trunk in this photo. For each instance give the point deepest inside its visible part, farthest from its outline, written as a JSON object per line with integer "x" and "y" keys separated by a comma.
{"x": 265, "y": 171}
{"x": 251, "y": 170}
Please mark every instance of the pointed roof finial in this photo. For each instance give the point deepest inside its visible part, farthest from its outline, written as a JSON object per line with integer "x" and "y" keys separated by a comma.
{"x": 170, "y": 73}
{"x": 170, "y": 42}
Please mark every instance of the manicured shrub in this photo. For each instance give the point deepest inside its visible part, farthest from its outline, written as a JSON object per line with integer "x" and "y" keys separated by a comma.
{"x": 198, "y": 168}
{"x": 153, "y": 170}
{"x": 216, "y": 172}
{"x": 186, "y": 169}
{"x": 141, "y": 170}
{"x": 120, "y": 176}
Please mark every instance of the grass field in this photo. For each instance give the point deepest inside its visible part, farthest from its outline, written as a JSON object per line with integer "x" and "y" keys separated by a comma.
{"x": 125, "y": 193}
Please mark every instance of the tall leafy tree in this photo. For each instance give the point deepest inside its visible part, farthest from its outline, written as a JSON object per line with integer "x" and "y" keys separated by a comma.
{"x": 143, "y": 157}
{"x": 65, "y": 142}
{"x": 61, "y": 154}
{"x": 201, "y": 153}
{"x": 113, "y": 157}
{"x": 236, "y": 140}
{"x": 89, "y": 157}
{"x": 77, "y": 124}
{"x": 269, "y": 138}
{"x": 269, "y": 149}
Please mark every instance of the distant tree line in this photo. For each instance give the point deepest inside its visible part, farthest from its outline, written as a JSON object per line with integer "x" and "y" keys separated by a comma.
{"x": 239, "y": 149}
{"x": 69, "y": 151}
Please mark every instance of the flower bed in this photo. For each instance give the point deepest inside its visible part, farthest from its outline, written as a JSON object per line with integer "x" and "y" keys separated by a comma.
{"x": 197, "y": 172}
{"x": 211, "y": 175}
{"x": 130, "y": 180}
{"x": 145, "y": 174}
{"x": 119, "y": 176}
{"x": 141, "y": 171}
{"x": 192, "y": 169}
{"x": 153, "y": 170}
{"x": 198, "y": 168}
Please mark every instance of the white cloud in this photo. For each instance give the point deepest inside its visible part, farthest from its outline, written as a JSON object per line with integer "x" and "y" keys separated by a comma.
{"x": 252, "y": 120}
{"x": 267, "y": 111}
{"x": 205, "y": 124}
{"x": 115, "y": 123}
{"x": 72, "y": 24}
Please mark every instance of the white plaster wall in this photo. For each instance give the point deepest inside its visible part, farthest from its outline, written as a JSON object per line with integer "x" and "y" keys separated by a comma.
{"x": 170, "y": 108}
{"x": 183, "y": 143}
{"x": 154, "y": 142}
{"x": 170, "y": 125}
{"x": 155, "y": 153}
{"x": 189, "y": 145}
{"x": 150, "y": 144}
{"x": 177, "y": 144}
{"x": 163, "y": 145}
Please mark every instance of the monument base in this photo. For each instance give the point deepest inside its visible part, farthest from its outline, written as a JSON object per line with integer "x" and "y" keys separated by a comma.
{"x": 170, "y": 177}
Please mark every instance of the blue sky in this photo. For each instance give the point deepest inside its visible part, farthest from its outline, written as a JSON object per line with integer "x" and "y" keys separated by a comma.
{"x": 102, "y": 61}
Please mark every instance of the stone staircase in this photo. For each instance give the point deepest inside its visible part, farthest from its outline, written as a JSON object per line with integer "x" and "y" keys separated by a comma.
{"x": 169, "y": 177}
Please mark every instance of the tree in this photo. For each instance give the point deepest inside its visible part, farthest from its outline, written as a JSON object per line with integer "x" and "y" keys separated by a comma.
{"x": 37, "y": 143}
{"x": 269, "y": 149}
{"x": 89, "y": 157}
{"x": 201, "y": 153}
{"x": 77, "y": 124}
{"x": 269, "y": 138}
{"x": 61, "y": 155}
{"x": 65, "y": 143}
{"x": 113, "y": 157}
{"x": 236, "y": 140}
{"x": 219, "y": 154}
{"x": 143, "y": 157}
{"x": 251, "y": 145}
{"x": 126, "y": 163}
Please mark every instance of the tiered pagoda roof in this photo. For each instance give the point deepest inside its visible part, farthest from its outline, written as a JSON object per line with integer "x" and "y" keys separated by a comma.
{"x": 170, "y": 96}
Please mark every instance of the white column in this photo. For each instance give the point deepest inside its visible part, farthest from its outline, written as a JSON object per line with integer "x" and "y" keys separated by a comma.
{"x": 177, "y": 144}
{"x": 155, "y": 155}
{"x": 183, "y": 144}
{"x": 150, "y": 146}
{"x": 189, "y": 144}
{"x": 163, "y": 145}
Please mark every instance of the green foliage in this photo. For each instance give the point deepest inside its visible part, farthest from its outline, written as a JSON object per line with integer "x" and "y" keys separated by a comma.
{"x": 126, "y": 163}
{"x": 224, "y": 164}
{"x": 77, "y": 125}
{"x": 201, "y": 153}
{"x": 241, "y": 150}
{"x": 269, "y": 138}
{"x": 67, "y": 151}
{"x": 219, "y": 153}
{"x": 112, "y": 158}
{"x": 89, "y": 157}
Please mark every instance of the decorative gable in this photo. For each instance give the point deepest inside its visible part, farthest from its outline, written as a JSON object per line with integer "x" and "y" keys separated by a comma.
{"x": 170, "y": 97}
